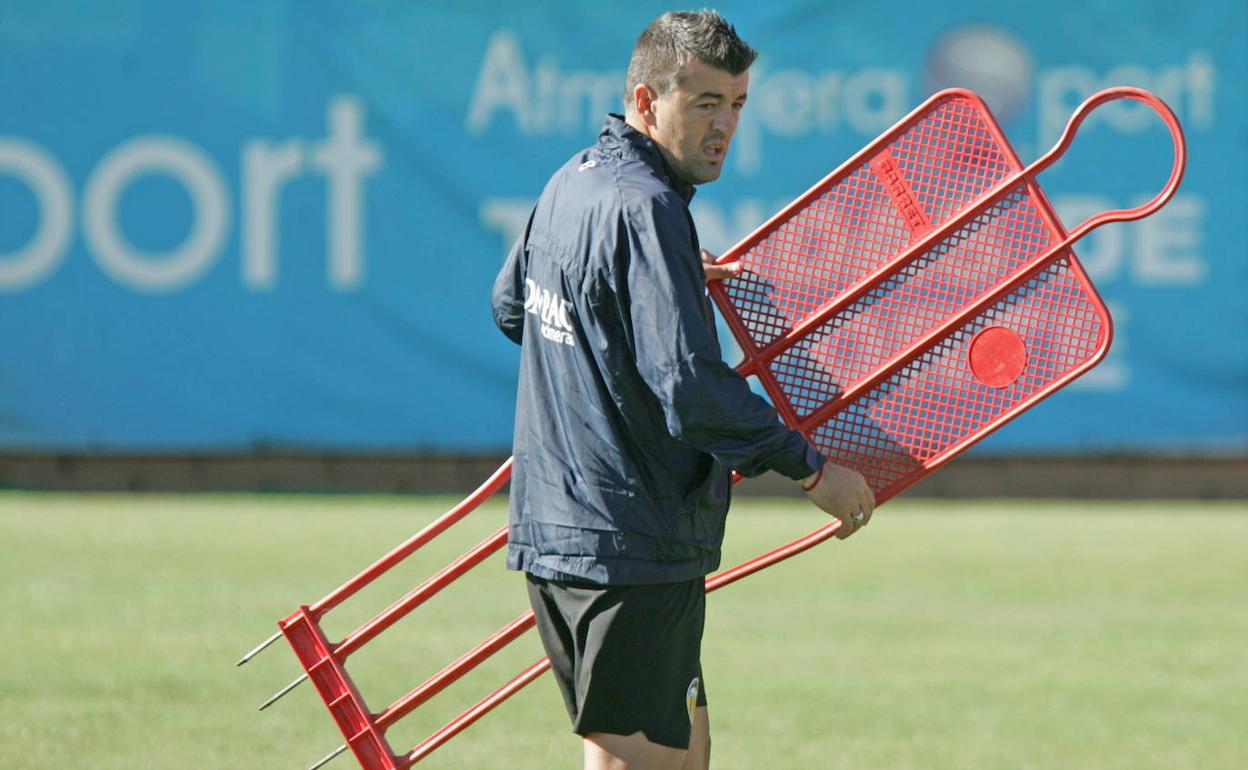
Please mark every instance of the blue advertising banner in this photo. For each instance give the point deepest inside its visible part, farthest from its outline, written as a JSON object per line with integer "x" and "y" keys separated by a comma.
{"x": 233, "y": 225}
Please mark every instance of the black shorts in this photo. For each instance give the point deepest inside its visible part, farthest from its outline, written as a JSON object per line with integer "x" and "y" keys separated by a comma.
{"x": 626, "y": 658}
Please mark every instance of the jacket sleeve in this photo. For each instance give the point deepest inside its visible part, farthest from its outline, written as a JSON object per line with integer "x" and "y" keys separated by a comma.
{"x": 508, "y": 295}
{"x": 705, "y": 402}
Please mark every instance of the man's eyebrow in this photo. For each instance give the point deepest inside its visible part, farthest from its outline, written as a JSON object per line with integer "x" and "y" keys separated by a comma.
{"x": 716, "y": 95}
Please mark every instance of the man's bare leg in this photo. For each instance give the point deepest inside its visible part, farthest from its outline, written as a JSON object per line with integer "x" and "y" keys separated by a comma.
{"x": 699, "y": 754}
{"x": 606, "y": 751}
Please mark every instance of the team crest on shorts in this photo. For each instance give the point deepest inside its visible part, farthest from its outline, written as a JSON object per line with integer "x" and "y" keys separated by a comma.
{"x": 691, "y": 698}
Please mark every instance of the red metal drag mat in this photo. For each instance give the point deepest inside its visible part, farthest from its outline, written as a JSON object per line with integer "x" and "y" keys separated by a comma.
{"x": 923, "y": 294}
{"x": 910, "y": 303}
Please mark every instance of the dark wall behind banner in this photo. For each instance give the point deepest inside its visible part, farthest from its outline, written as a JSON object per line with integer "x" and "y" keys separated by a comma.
{"x": 232, "y": 224}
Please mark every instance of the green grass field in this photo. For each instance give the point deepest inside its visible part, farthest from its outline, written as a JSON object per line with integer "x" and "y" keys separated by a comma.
{"x": 948, "y": 635}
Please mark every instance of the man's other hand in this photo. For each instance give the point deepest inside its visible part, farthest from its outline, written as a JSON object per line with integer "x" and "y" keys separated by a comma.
{"x": 844, "y": 494}
{"x": 716, "y": 272}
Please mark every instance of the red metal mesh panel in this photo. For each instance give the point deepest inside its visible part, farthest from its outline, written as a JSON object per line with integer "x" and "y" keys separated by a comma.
{"x": 859, "y": 303}
{"x": 839, "y": 237}
{"x": 935, "y": 402}
{"x": 950, "y": 157}
{"x": 903, "y": 307}
{"x": 848, "y": 226}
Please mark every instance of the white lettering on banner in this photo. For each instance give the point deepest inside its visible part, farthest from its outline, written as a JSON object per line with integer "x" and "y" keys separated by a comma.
{"x": 266, "y": 168}
{"x": 553, "y": 311}
{"x": 793, "y": 103}
{"x": 141, "y": 271}
{"x": 542, "y": 99}
{"x": 1161, "y": 250}
{"x": 1164, "y": 249}
{"x": 31, "y": 263}
{"x": 501, "y": 84}
{"x": 1171, "y": 243}
{"x": 344, "y": 158}
{"x": 1188, "y": 89}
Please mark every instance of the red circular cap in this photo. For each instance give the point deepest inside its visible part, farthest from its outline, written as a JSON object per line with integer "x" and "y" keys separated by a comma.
{"x": 997, "y": 356}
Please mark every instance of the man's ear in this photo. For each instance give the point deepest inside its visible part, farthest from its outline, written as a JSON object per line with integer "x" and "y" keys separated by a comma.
{"x": 644, "y": 98}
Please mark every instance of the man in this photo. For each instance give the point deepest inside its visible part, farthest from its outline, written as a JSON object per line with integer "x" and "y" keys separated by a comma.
{"x": 627, "y": 420}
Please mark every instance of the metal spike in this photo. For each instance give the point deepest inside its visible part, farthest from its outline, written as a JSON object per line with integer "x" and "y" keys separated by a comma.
{"x": 325, "y": 759}
{"x": 283, "y": 691}
{"x": 258, "y": 648}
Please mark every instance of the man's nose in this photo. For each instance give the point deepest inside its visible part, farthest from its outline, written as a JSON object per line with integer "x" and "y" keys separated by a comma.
{"x": 725, "y": 122}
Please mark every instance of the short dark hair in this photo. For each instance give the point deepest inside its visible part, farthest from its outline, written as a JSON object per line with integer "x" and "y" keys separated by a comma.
{"x": 677, "y": 37}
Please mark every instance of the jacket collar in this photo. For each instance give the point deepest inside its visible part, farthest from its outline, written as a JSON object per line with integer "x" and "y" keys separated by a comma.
{"x": 617, "y": 133}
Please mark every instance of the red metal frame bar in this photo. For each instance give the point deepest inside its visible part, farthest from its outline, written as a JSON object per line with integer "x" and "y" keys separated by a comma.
{"x": 324, "y": 661}
{"x": 495, "y": 482}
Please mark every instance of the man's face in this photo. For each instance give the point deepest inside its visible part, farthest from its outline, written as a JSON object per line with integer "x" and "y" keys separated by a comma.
{"x": 693, "y": 123}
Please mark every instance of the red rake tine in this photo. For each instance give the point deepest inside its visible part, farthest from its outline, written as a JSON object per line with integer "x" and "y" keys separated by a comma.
{"x": 456, "y": 669}
{"x": 410, "y": 601}
{"x": 259, "y": 648}
{"x": 446, "y": 677}
{"x": 402, "y": 551}
{"x": 495, "y": 482}
{"x": 483, "y": 707}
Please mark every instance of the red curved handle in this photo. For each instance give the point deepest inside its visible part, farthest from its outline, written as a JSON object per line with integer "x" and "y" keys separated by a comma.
{"x": 1068, "y": 135}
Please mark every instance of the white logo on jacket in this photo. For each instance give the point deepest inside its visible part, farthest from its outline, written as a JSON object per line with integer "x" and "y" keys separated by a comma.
{"x": 554, "y": 312}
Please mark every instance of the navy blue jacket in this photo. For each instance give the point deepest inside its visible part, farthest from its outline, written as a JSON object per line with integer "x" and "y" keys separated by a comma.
{"x": 627, "y": 419}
